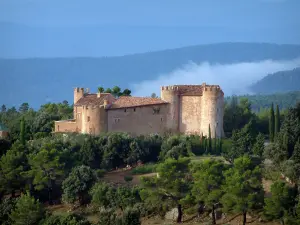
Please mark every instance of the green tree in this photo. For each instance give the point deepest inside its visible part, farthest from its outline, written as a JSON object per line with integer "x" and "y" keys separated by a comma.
{"x": 116, "y": 91}
{"x": 271, "y": 123}
{"x": 77, "y": 184}
{"x": 100, "y": 89}
{"x": 67, "y": 219}
{"x": 171, "y": 184}
{"x": 11, "y": 166}
{"x": 27, "y": 211}
{"x": 131, "y": 216}
{"x": 22, "y": 131}
{"x": 108, "y": 90}
{"x": 277, "y": 121}
{"x": 259, "y": 146}
{"x": 3, "y": 108}
{"x": 296, "y": 153}
{"x": 280, "y": 203}
{"x": 6, "y": 206}
{"x": 126, "y": 92}
{"x": 243, "y": 187}
{"x": 207, "y": 184}
{"x": 103, "y": 195}
{"x": 209, "y": 140}
{"x": 45, "y": 169}
{"x": 24, "y": 107}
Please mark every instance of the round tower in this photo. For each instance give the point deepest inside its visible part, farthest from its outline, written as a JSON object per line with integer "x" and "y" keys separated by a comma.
{"x": 170, "y": 94}
{"x": 91, "y": 120}
{"x": 212, "y": 111}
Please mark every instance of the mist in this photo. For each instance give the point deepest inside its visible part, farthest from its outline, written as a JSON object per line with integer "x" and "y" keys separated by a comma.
{"x": 234, "y": 79}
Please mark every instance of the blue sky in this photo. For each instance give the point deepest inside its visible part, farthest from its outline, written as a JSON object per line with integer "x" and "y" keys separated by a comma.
{"x": 62, "y": 28}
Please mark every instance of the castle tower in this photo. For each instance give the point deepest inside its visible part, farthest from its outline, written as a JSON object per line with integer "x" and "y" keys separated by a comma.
{"x": 212, "y": 111}
{"x": 78, "y": 94}
{"x": 170, "y": 94}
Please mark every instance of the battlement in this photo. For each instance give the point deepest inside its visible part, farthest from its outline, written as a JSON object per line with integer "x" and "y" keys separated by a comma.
{"x": 79, "y": 89}
{"x": 170, "y": 88}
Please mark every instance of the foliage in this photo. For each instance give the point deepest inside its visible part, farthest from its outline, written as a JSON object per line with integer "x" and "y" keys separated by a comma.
{"x": 243, "y": 187}
{"x": 77, "y": 184}
{"x": 144, "y": 169}
{"x": 208, "y": 179}
{"x": 280, "y": 204}
{"x": 6, "y": 206}
{"x": 277, "y": 121}
{"x": 67, "y": 219}
{"x": 271, "y": 123}
{"x": 131, "y": 216}
{"x": 170, "y": 184}
{"x": 27, "y": 211}
{"x": 259, "y": 145}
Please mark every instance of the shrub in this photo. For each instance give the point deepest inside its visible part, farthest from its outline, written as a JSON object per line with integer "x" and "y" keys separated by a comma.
{"x": 128, "y": 178}
{"x": 131, "y": 217}
{"x": 6, "y": 207}
{"x": 68, "y": 219}
{"x": 148, "y": 168}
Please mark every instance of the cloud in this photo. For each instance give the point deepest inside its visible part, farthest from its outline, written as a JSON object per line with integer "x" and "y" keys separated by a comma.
{"x": 233, "y": 78}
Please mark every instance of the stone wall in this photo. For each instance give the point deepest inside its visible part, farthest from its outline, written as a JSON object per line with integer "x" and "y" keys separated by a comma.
{"x": 190, "y": 114}
{"x": 66, "y": 126}
{"x": 138, "y": 121}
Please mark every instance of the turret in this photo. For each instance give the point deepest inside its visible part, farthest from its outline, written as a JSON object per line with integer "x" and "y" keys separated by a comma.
{"x": 212, "y": 110}
{"x": 170, "y": 94}
{"x": 78, "y": 94}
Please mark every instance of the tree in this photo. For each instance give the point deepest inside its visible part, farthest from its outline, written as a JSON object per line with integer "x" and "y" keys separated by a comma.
{"x": 153, "y": 95}
{"x": 280, "y": 203}
{"x": 131, "y": 217}
{"x": 77, "y": 184}
{"x": 100, "y": 89}
{"x": 103, "y": 195}
{"x": 66, "y": 219}
{"x": 277, "y": 121}
{"x": 24, "y": 107}
{"x": 3, "y": 108}
{"x": 126, "y": 92}
{"x": 108, "y": 90}
{"x": 209, "y": 140}
{"x": 45, "y": 169}
{"x": 243, "y": 187}
{"x": 259, "y": 146}
{"x": 22, "y": 131}
{"x": 65, "y": 103}
{"x": 116, "y": 91}
{"x": 207, "y": 184}
{"x": 296, "y": 153}
{"x": 27, "y": 211}
{"x": 11, "y": 166}
{"x": 271, "y": 123}
{"x": 6, "y": 206}
{"x": 171, "y": 184}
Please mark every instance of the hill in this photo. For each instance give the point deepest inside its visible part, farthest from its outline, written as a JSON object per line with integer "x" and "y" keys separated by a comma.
{"x": 40, "y": 80}
{"x": 281, "y": 81}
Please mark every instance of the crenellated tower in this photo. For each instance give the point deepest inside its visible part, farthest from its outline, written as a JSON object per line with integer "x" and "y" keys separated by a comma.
{"x": 170, "y": 94}
{"x": 78, "y": 94}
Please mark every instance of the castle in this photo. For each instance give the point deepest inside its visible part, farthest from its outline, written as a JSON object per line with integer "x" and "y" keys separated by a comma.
{"x": 188, "y": 109}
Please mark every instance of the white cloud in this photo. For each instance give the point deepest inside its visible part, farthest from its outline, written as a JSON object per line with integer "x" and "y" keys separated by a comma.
{"x": 233, "y": 78}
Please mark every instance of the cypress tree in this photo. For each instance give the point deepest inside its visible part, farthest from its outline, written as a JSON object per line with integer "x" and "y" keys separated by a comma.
{"x": 209, "y": 139}
{"x": 215, "y": 144}
{"x": 22, "y": 131}
{"x": 271, "y": 123}
{"x": 277, "y": 120}
{"x": 220, "y": 145}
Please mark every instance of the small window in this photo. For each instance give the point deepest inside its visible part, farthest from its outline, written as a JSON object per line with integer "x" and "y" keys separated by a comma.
{"x": 88, "y": 119}
{"x": 124, "y": 110}
{"x": 57, "y": 127}
{"x": 133, "y": 109}
{"x": 161, "y": 119}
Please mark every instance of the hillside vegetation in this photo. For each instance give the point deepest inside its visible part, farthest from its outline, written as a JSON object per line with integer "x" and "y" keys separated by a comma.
{"x": 281, "y": 81}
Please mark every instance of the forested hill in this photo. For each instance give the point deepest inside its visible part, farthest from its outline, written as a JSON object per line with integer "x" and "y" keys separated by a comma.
{"x": 281, "y": 81}
{"x": 43, "y": 80}
{"x": 283, "y": 100}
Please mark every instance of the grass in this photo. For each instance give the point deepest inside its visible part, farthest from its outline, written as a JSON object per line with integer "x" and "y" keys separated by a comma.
{"x": 147, "y": 168}
{"x": 205, "y": 157}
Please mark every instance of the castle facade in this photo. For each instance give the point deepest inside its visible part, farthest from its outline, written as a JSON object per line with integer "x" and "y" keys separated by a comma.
{"x": 188, "y": 109}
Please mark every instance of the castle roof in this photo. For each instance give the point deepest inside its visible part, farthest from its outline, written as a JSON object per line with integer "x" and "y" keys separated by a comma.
{"x": 129, "y": 101}
{"x": 92, "y": 99}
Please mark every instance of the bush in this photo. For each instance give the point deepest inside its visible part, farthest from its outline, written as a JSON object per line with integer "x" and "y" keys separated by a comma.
{"x": 128, "y": 178}
{"x": 68, "y": 219}
{"x": 131, "y": 217}
{"x": 109, "y": 217}
{"x": 148, "y": 168}
{"x": 6, "y": 207}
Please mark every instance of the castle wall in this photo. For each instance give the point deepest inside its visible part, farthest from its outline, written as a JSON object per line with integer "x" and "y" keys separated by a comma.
{"x": 190, "y": 114}
{"x": 66, "y": 126}
{"x": 169, "y": 94}
{"x": 138, "y": 121}
{"x": 212, "y": 111}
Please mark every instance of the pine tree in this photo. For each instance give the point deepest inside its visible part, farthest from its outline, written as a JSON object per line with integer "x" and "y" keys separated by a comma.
{"x": 277, "y": 120}
{"x": 296, "y": 152}
{"x": 22, "y": 131}
{"x": 209, "y": 140}
{"x": 271, "y": 123}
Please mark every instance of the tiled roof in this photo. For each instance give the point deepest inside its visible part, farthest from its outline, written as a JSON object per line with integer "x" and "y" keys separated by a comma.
{"x": 92, "y": 99}
{"x": 128, "y": 101}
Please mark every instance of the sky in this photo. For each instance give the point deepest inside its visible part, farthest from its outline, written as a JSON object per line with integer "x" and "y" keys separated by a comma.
{"x": 69, "y": 28}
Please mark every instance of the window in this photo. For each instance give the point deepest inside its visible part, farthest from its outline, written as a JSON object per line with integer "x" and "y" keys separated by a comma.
{"x": 57, "y": 127}
{"x": 161, "y": 119}
{"x": 88, "y": 119}
{"x": 124, "y": 110}
{"x": 133, "y": 109}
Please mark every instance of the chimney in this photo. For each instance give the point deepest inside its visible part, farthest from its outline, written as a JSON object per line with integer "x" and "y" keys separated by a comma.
{"x": 98, "y": 94}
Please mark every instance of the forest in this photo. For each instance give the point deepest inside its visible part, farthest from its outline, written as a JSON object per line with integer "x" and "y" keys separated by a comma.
{"x": 186, "y": 179}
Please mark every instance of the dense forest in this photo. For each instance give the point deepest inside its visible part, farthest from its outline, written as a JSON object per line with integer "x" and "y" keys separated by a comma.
{"x": 282, "y": 81}
{"x": 196, "y": 178}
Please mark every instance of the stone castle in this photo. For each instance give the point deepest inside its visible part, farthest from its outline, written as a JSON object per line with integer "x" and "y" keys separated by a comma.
{"x": 188, "y": 109}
